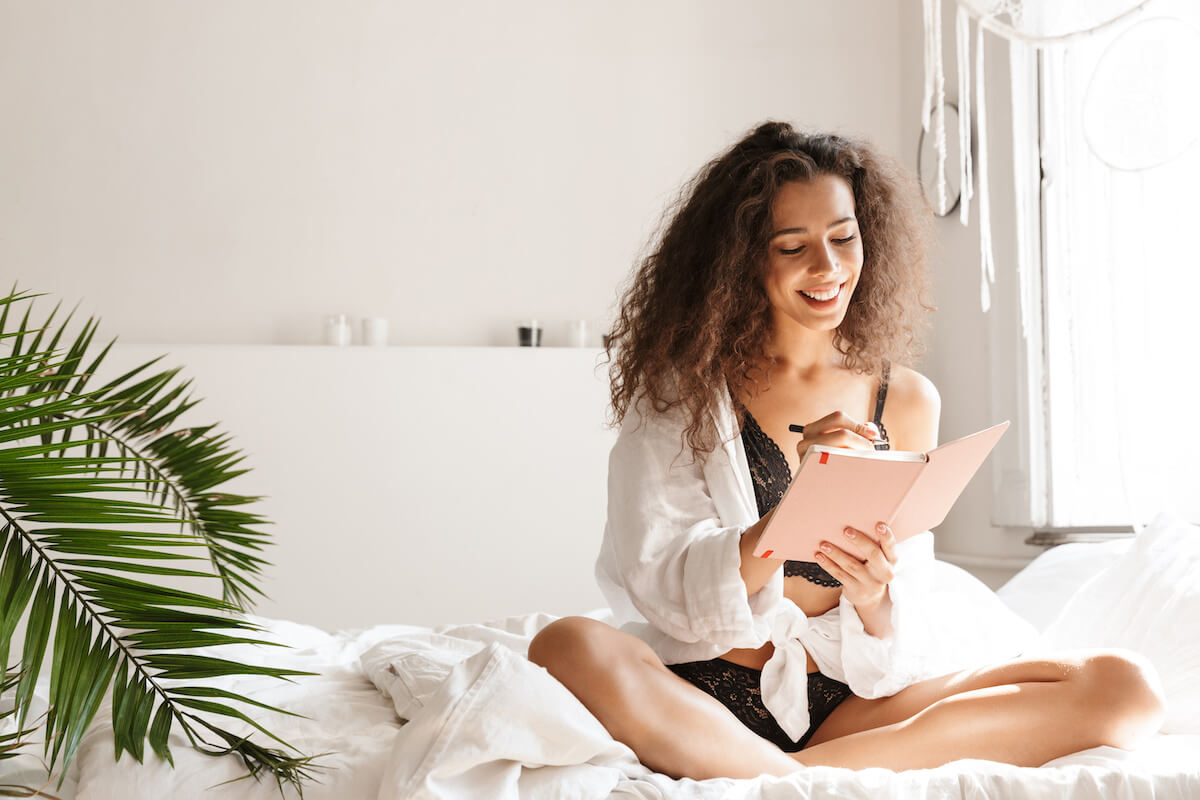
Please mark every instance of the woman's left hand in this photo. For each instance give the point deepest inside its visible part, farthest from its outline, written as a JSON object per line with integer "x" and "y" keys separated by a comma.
{"x": 865, "y": 567}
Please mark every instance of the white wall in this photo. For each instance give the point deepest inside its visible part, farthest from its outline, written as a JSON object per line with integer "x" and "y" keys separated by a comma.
{"x": 229, "y": 171}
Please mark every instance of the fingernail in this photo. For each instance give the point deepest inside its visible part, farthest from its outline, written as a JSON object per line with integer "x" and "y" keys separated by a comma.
{"x": 881, "y": 527}
{"x": 827, "y": 547}
{"x": 849, "y": 533}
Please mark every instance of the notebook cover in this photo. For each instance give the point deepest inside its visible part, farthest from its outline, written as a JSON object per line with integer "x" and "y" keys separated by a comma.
{"x": 835, "y": 488}
{"x": 951, "y": 467}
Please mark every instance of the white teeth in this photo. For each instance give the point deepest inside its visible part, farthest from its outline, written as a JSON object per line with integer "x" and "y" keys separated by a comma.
{"x": 822, "y": 296}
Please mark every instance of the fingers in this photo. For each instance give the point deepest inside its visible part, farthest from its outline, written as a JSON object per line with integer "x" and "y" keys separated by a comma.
{"x": 838, "y": 564}
{"x": 860, "y": 558}
{"x": 853, "y": 573}
{"x": 887, "y": 542}
{"x": 840, "y": 430}
{"x": 835, "y": 438}
{"x": 867, "y": 430}
{"x": 845, "y": 438}
{"x": 840, "y": 419}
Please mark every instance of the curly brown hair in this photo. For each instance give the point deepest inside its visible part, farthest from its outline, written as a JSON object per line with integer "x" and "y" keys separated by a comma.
{"x": 696, "y": 312}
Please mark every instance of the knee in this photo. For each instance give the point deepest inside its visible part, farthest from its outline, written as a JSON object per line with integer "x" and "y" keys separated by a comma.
{"x": 569, "y": 645}
{"x": 1122, "y": 696}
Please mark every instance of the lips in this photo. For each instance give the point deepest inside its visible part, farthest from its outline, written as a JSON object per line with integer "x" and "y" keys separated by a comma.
{"x": 822, "y": 296}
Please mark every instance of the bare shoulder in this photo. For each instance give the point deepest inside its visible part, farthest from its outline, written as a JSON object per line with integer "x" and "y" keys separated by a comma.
{"x": 912, "y": 410}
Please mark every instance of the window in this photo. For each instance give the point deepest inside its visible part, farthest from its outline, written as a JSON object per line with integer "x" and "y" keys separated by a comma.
{"x": 1120, "y": 272}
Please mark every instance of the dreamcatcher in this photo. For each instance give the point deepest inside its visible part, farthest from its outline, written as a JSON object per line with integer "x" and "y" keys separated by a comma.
{"x": 1128, "y": 103}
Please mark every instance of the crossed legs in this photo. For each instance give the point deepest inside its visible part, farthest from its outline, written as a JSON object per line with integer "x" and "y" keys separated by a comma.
{"x": 1023, "y": 712}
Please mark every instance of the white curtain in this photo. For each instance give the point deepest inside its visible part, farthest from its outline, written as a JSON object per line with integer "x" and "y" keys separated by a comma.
{"x": 1122, "y": 273}
{"x": 1108, "y": 272}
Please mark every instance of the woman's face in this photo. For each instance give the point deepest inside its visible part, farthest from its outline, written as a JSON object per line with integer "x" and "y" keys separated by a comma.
{"x": 815, "y": 254}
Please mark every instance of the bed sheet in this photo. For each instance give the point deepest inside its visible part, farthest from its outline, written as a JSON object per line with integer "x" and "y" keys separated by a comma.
{"x": 481, "y": 721}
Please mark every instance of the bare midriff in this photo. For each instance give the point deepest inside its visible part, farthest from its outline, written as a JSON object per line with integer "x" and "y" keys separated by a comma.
{"x": 813, "y": 600}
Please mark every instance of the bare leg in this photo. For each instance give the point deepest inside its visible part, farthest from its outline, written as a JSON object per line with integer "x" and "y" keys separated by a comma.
{"x": 1024, "y": 712}
{"x": 673, "y": 727}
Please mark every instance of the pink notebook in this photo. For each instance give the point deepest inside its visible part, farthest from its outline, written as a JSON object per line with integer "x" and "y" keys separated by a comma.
{"x": 837, "y": 487}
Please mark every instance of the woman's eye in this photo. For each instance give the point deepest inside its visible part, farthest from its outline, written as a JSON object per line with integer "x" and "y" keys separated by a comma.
{"x": 847, "y": 240}
{"x": 793, "y": 251}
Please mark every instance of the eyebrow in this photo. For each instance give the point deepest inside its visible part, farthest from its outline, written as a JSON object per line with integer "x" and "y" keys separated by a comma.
{"x": 833, "y": 224}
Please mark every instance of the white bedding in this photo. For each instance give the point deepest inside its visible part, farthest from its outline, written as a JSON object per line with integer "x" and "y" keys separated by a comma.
{"x": 499, "y": 727}
{"x": 485, "y": 723}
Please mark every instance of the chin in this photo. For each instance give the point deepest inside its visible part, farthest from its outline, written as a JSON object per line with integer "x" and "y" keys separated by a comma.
{"x": 827, "y": 325}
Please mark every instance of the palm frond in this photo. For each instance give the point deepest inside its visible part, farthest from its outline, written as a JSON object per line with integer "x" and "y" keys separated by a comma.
{"x": 137, "y": 411}
{"x": 183, "y": 464}
{"x": 83, "y": 541}
{"x": 12, "y": 741}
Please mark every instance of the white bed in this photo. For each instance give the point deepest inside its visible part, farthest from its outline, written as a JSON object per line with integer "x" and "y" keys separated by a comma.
{"x": 482, "y": 722}
{"x": 485, "y": 723}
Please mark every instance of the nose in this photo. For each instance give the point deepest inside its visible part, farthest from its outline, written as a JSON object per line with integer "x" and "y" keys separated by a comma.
{"x": 825, "y": 261}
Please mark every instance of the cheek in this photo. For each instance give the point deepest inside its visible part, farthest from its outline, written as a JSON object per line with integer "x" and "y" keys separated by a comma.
{"x": 783, "y": 271}
{"x": 774, "y": 290}
{"x": 855, "y": 265}
{"x": 775, "y": 278}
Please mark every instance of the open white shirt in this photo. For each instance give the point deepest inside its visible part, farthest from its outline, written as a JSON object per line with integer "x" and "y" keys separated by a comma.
{"x": 669, "y": 567}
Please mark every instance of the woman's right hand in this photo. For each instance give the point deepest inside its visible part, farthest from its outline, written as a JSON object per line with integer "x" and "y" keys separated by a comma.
{"x": 838, "y": 430}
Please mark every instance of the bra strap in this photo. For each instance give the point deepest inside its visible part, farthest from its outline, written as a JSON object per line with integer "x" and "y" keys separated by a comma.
{"x": 881, "y": 396}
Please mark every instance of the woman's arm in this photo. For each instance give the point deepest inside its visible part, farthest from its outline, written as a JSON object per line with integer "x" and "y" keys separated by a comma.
{"x": 673, "y": 556}
{"x": 757, "y": 571}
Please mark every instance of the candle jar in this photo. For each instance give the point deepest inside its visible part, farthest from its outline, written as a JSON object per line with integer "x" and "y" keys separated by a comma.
{"x": 529, "y": 333}
{"x": 337, "y": 330}
{"x": 375, "y": 331}
{"x": 577, "y": 333}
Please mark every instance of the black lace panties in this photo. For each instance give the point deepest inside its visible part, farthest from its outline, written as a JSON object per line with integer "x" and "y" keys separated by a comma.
{"x": 738, "y": 689}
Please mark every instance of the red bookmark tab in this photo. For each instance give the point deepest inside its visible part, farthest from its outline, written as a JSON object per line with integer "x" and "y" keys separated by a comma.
{"x": 767, "y": 554}
{"x": 824, "y": 457}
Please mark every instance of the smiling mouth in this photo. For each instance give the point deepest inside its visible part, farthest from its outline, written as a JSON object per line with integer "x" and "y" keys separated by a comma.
{"x": 822, "y": 298}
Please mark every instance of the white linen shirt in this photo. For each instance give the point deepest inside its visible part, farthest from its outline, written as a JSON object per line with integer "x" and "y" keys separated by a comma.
{"x": 669, "y": 567}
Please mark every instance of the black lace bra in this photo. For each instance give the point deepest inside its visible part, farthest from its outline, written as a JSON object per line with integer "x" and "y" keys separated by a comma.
{"x": 770, "y": 474}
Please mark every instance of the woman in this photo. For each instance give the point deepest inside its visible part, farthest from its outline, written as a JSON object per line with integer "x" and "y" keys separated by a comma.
{"x": 787, "y": 289}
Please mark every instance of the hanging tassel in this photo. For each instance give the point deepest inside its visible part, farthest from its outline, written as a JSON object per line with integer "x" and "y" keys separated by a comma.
{"x": 927, "y": 99}
{"x": 939, "y": 105}
{"x": 962, "y": 40}
{"x": 1026, "y": 186}
{"x": 987, "y": 266}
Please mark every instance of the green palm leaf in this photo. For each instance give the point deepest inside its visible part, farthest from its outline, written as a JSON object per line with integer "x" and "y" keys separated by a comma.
{"x": 83, "y": 540}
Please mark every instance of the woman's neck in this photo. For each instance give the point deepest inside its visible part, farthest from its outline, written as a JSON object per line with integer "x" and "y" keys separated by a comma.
{"x": 803, "y": 352}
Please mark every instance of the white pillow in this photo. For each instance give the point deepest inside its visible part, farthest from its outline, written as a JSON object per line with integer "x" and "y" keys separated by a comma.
{"x": 1039, "y": 591}
{"x": 1148, "y": 601}
{"x": 969, "y": 626}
